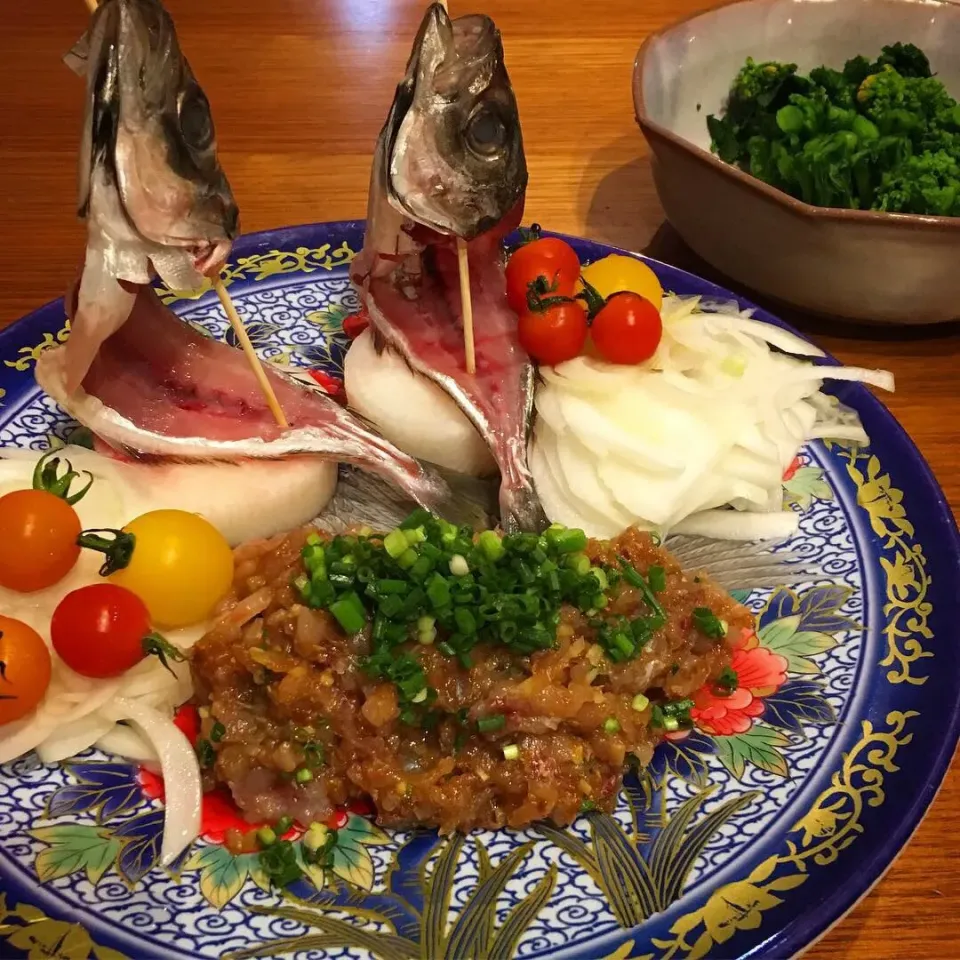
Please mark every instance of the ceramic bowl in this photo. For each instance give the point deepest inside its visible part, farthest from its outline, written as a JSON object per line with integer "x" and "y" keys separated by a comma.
{"x": 866, "y": 266}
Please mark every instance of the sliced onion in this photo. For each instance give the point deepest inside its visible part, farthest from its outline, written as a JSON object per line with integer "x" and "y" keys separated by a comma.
{"x": 711, "y": 421}
{"x": 739, "y": 525}
{"x": 181, "y": 774}
{"x": 73, "y": 739}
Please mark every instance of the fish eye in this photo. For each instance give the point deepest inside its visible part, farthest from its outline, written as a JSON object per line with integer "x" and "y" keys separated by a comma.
{"x": 486, "y": 133}
{"x": 196, "y": 124}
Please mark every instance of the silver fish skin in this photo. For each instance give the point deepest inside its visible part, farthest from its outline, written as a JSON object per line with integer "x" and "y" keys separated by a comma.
{"x": 449, "y": 163}
{"x": 151, "y": 188}
{"x": 452, "y": 148}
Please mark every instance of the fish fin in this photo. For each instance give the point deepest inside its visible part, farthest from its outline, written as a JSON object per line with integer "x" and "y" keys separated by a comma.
{"x": 77, "y": 56}
{"x": 96, "y": 57}
{"x": 103, "y": 306}
{"x": 739, "y": 565}
{"x": 521, "y": 510}
{"x": 364, "y": 499}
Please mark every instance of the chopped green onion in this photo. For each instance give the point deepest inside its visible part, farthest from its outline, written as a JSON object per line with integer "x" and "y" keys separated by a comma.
{"x": 632, "y": 577}
{"x": 459, "y": 566}
{"x": 316, "y": 837}
{"x": 491, "y": 545}
{"x": 419, "y": 697}
{"x": 658, "y": 579}
{"x": 511, "y": 751}
{"x": 640, "y": 703}
{"x": 279, "y": 863}
{"x": 427, "y": 637}
{"x": 417, "y": 518}
{"x": 727, "y": 682}
{"x": 671, "y": 724}
{"x": 496, "y": 721}
{"x": 395, "y": 543}
{"x": 600, "y": 576}
{"x": 425, "y": 623}
{"x": 579, "y": 563}
{"x": 205, "y": 753}
{"x": 349, "y": 612}
{"x": 611, "y": 725}
{"x": 709, "y": 624}
{"x": 218, "y": 731}
{"x": 438, "y": 591}
{"x": 407, "y": 559}
{"x": 564, "y": 540}
{"x": 313, "y": 539}
{"x": 283, "y": 826}
{"x": 303, "y": 775}
{"x": 266, "y": 837}
{"x": 415, "y": 536}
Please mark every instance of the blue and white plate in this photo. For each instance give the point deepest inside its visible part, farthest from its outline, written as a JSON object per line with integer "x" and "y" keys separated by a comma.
{"x": 748, "y": 837}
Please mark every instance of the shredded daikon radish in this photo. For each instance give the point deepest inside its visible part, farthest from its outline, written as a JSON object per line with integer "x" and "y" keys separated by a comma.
{"x": 695, "y": 440}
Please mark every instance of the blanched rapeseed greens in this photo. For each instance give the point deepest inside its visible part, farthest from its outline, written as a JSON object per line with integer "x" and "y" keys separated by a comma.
{"x": 882, "y": 135}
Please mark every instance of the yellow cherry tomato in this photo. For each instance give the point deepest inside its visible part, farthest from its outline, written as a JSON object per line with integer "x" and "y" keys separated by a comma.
{"x": 617, "y": 273}
{"x": 24, "y": 669}
{"x": 180, "y": 568}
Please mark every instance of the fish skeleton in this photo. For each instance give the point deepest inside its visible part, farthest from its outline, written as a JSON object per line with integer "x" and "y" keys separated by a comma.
{"x": 151, "y": 188}
{"x": 156, "y": 199}
{"x": 158, "y": 387}
{"x": 449, "y": 164}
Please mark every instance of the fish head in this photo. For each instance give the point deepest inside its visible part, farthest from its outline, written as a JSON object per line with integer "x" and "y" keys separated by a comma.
{"x": 453, "y": 149}
{"x": 149, "y": 133}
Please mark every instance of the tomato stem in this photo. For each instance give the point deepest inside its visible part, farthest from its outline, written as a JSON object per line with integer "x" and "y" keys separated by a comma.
{"x": 538, "y": 294}
{"x": 592, "y": 297}
{"x": 157, "y": 646}
{"x": 45, "y": 477}
{"x": 525, "y": 235}
{"x": 117, "y": 548}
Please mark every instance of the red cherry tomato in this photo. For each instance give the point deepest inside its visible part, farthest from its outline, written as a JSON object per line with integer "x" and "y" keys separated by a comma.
{"x": 99, "y": 630}
{"x": 38, "y": 540}
{"x": 627, "y": 329}
{"x": 552, "y": 259}
{"x": 556, "y": 334}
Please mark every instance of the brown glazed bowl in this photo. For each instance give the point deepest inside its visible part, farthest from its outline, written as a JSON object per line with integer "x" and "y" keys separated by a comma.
{"x": 871, "y": 267}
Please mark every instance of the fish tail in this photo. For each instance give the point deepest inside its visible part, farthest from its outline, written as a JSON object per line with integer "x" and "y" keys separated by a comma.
{"x": 366, "y": 499}
{"x": 520, "y": 510}
{"x": 739, "y": 565}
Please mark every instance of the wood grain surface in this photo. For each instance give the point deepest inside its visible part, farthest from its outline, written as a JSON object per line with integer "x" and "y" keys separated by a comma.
{"x": 299, "y": 90}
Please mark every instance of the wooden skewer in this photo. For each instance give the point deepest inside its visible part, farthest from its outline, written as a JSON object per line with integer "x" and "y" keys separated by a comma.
{"x": 466, "y": 301}
{"x": 467, "y": 304}
{"x": 238, "y": 328}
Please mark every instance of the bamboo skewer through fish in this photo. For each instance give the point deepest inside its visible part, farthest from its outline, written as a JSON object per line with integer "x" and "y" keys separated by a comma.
{"x": 466, "y": 301}
{"x": 255, "y": 364}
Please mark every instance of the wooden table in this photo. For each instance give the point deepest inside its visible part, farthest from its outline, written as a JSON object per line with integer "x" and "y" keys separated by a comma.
{"x": 299, "y": 90}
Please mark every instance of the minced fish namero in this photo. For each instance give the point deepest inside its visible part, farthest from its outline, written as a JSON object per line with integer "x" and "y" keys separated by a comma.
{"x": 546, "y": 666}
